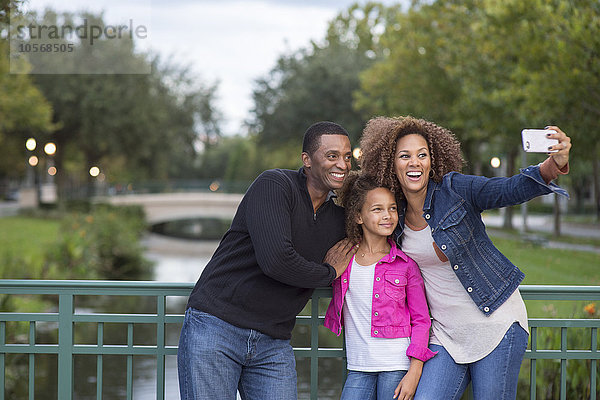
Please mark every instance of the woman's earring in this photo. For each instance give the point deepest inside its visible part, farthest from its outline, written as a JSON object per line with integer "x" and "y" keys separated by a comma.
{"x": 431, "y": 173}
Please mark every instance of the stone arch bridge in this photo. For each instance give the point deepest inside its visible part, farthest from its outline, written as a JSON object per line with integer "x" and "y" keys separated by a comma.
{"x": 163, "y": 207}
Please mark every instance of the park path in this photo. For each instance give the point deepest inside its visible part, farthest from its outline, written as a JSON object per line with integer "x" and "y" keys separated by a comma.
{"x": 544, "y": 223}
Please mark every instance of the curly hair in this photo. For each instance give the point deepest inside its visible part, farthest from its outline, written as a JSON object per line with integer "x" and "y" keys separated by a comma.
{"x": 352, "y": 197}
{"x": 378, "y": 145}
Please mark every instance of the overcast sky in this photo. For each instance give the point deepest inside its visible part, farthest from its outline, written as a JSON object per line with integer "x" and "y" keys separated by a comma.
{"x": 231, "y": 41}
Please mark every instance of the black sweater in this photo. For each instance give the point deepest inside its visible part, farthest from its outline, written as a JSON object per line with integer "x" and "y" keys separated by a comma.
{"x": 270, "y": 260}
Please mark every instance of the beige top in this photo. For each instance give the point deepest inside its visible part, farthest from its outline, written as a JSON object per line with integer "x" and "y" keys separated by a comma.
{"x": 457, "y": 324}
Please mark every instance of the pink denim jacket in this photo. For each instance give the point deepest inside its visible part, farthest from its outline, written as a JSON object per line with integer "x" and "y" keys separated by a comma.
{"x": 399, "y": 305}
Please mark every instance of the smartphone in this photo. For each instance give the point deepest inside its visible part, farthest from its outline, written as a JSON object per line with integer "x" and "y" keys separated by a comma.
{"x": 536, "y": 141}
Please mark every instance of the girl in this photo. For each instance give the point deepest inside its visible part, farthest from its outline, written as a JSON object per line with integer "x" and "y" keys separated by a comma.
{"x": 379, "y": 300}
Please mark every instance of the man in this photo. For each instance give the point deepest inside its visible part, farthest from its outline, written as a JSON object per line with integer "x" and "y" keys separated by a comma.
{"x": 240, "y": 315}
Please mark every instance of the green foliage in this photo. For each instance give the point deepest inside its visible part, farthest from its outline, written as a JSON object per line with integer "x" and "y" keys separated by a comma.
{"x": 24, "y": 112}
{"x": 410, "y": 78}
{"x": 103, "y": 244}
{"x": 132, "y": 126}
{"x": 318, "y": 83}
{"x": 233, "y": 158}
{"x": 487, "y": 69}
{"x": 240, "y": 159}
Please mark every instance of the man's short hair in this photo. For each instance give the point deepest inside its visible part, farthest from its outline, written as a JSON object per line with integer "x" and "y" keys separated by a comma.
{"x": 312, "y": 136}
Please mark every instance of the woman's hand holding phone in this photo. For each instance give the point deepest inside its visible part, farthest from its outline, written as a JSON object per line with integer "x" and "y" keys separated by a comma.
{"x": 551, "y": 140}
{"x": 560, "y": 150}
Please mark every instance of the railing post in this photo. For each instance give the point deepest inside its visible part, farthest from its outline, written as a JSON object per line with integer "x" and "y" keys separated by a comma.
{"x": 593, "y": 363}
{"x": 129, "y": 362}
{"x": 65, "y": 345}
{"x": 532, "y": 365}
{"x": 563, "y": 363}
{"x": 2, "y": 359}
{"x": 160, "y": 347}
{"x": 32, "y": 361}
{"x": 314, "y": 347}
{"x": 99, "y": 362}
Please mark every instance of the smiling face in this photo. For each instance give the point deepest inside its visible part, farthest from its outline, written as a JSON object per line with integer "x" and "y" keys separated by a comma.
{"x": 327, "y": 168}
{"x": 412, "y": 164}
{"x": 378, "y": 215}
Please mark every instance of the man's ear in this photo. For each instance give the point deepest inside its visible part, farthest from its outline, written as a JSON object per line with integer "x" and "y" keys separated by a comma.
{"x": 306, "y": 160}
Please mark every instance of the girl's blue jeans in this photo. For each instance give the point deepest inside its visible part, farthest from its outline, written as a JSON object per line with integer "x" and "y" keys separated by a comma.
{"x": 371, "y": 385}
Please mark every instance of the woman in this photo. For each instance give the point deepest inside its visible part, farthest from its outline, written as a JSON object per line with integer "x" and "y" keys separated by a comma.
{"x": 479, "y": 320}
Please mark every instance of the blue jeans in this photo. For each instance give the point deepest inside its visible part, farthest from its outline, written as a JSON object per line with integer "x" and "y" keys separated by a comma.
{"x": 216, "y": 359}
{"x": 371, "y": 385}
{"x": 493, "y": 377}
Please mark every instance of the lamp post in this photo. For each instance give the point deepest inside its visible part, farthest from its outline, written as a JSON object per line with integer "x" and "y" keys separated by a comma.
{"x": 50, "y": 150}
{"x": 32, "y": 161}
{"x": 496, "y": 163}
{"x": 524, "y": 227}
{"x": 29, "y": 193}
{"x": 48, "y": 194}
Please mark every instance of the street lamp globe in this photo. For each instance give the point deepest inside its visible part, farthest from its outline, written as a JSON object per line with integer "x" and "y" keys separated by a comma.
{"x": 495, "y": 162}
{"x": 30, "y": 144}
{"x": 50, "y": 148}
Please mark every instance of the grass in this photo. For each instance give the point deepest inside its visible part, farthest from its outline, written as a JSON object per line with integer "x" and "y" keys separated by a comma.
{"x": 543, "y": 266}
{"x": 24, "y": 238}
{"x": 590, "y": 241}
{"x": 27, "y": 234}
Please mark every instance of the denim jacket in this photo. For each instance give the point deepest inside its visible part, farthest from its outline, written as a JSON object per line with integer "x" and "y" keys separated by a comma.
{"x": 399, "y": 307}
{"x": 453, "y": 211}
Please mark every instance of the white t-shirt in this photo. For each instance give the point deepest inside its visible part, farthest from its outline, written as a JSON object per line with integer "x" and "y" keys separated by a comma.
{"x": 457, "y": 324}
{"x": 364, "y": 352}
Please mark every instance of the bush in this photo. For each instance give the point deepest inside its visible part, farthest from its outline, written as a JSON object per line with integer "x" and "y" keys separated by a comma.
{"x": 102, "y": 244}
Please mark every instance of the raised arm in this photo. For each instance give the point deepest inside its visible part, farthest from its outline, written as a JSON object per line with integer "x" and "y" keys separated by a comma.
{"x": 487, "y": 193}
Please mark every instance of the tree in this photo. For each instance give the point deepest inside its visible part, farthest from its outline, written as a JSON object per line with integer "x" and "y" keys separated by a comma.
{"x": 318, "y": 83}
{"x": 488, "y": 69}
{"x": 561, "y": 77}
{"x": 133, "y": 126}
{"x": 24, "y": 112}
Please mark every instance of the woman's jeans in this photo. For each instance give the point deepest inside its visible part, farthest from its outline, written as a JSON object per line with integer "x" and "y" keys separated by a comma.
{"x": 371, "y": 385}
{"x": 216, "y": 359}
{"x": 493, "y": 377}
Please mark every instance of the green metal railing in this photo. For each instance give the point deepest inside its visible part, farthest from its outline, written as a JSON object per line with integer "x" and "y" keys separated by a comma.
{"x": 67, "y": 317}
